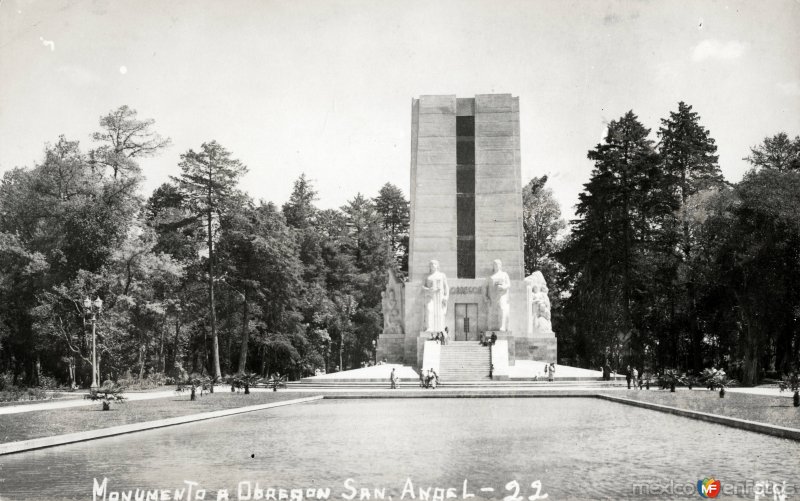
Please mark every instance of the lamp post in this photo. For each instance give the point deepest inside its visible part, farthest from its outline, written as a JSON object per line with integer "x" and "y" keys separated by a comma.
{"x": 375, "y": 350}
{"x": 93, "y": 307}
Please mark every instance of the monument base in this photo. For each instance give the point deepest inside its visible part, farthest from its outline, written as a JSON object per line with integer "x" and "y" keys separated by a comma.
{"x": 540, "y": 349}
{"x": 390, "y": 347}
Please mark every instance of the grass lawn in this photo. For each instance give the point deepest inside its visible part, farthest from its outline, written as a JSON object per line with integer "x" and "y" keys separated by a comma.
{"x": 36, "y": 424}
{"x": 764, "y": 409}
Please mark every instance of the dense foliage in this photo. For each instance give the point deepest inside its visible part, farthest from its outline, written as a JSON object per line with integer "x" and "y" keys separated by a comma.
{"x": 196, "y": 279}
{"x": 668, "y": 267}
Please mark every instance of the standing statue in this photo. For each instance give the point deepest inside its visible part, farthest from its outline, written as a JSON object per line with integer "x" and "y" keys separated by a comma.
{"x": 497, "y": 294}
{"x": 436, "y": 293}
{"x": 540, "y": 304}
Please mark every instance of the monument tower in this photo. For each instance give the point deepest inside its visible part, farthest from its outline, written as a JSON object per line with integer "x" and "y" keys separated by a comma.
{"x": 466, "y": 216}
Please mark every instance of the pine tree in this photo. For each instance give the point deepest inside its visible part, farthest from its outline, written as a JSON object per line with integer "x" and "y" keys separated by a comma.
{"x": 208, "y": 182}
{"x": 299, "y": 210}
{"x": 392, "y": 206}
{"x": 620, "y": 210}
{"x": 688, "y": 156}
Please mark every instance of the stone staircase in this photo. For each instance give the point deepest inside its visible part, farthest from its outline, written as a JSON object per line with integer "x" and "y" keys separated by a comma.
{"x": 463, "y": 361}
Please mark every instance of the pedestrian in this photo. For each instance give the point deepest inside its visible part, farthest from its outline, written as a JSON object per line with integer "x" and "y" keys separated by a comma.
{"x": 393, "y": 379}
{"x": 552, "y": 372}
{"x": 493, "y": 339}
{"x": 446, "y": 336}
{"x": 635, "y": 377}
{"x": 628, "y": 377}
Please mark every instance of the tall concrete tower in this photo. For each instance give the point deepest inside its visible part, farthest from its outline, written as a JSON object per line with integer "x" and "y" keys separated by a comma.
{"x": 466, "y": 213}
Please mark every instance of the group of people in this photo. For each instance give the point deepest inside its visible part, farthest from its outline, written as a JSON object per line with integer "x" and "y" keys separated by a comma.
{"x": 550, "y": 371}
{"x": 637, "y": 378}
{"x": 488, "y": 340}
{"x": 441, "y": 337}
{"x": 429, "y": 380}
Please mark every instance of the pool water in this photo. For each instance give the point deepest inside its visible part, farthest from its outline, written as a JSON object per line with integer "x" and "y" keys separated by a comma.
{"x": 577, "y": 448}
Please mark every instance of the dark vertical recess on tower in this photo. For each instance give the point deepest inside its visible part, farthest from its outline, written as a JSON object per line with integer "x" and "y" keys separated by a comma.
{"x": 465, "y": 195}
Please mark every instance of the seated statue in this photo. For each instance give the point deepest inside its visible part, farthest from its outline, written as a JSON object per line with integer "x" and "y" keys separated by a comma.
{"x": 540, "y": 304}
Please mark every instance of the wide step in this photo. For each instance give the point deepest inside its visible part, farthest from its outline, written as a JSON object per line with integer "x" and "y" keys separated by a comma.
{"x": 464, "y": 361}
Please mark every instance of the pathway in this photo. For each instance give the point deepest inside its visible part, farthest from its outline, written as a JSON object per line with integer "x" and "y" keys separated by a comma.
{"x": 78, "y": 402}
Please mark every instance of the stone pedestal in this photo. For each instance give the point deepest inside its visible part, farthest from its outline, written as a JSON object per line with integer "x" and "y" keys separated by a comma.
{"x": 391, "y": 347}
{"x": 542, "y": 349}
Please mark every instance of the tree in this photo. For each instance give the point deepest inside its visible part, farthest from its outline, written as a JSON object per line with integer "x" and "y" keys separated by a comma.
{"x": 778, "y": 152}
{"x": 687, "y": 154}
{"x": 208, "y": 182}
{"x": 621, "y": 212}
{"x": 259, "y": 257}
{"x": 392, "y": 206}
{"x": 300, "y": 210}
{"x": 541, "y": 222}
{"x": 126, "y": 138}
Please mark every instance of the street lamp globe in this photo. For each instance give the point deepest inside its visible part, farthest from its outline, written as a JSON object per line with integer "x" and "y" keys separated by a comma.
{"x": 98, "y": 303}
{"x": 87, "y": 303}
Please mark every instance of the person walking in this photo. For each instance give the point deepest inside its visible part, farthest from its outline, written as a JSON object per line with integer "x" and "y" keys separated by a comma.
{"x": 551, "y": 373}
{"x": 635, "y": 378}
{"x": 393, "y": 379}
{"x": 628, "y": 376}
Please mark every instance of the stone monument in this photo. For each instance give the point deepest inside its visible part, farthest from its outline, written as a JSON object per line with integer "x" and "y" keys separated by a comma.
{"x": 466, "y": 268}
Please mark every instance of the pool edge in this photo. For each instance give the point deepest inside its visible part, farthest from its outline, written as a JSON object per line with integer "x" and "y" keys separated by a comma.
{"x": 742, "y": 424}
{"x": 84, "y": 436}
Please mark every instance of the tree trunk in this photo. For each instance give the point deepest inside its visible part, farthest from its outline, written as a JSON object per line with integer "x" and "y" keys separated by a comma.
{"x": 142, "y": 353}
{"x": 214, "y": 339}
{"x": 245, "y": 335}
{"x": 161, "y": 365}
{"x": 177, "y": 340}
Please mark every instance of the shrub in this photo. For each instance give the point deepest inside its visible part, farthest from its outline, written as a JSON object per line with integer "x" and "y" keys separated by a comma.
{"x": 6, "y": 381}
{"x": 48, "y": 382}
{"x": 791, "y": 382}
{"x": 108, "y": 392}
{"x": 670, "y": 378}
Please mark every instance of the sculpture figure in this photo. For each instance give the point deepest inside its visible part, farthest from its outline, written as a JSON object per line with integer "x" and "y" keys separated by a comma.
{"x": 497, "y": 294}
{"x": 391, "y": 313}
{"x": 392, "y": 305}
{"x": 436, "y": 293}
{"x": 540, "y": 304}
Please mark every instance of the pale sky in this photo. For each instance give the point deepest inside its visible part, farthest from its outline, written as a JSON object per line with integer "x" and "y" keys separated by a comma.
{"x": 325, "y": 86}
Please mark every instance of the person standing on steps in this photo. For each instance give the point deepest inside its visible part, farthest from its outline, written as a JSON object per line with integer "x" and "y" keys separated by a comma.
{"x": 393, "y": 379}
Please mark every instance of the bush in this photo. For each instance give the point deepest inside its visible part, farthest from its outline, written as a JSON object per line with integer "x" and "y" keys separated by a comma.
{"x": 155, "y": 380}
{"x": 6, "y": 381}
{"x": 16, "y": 394}
{"x": 48, "y": 383}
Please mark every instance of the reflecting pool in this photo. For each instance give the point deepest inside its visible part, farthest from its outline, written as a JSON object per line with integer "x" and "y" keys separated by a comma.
{"x": 577, "y": 448}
